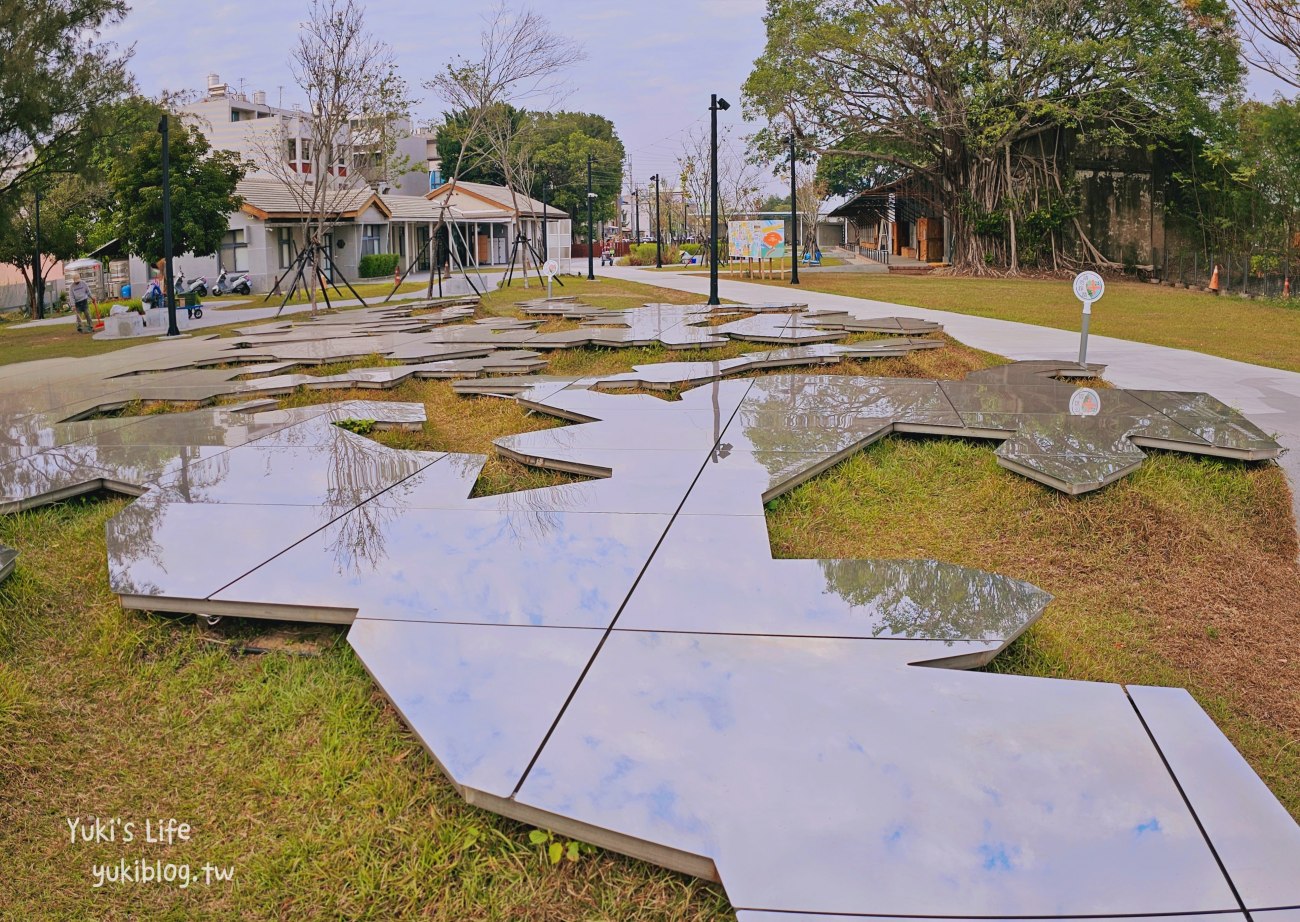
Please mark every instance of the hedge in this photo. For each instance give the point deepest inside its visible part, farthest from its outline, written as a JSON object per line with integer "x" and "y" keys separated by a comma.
{"x": 374, "y": 265}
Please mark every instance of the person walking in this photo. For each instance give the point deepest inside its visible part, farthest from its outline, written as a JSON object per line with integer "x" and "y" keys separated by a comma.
{"x": 81, "y": 296}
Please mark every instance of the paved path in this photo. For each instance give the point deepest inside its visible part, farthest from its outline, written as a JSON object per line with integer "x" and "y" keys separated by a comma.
{"x": 1270, "y": 397}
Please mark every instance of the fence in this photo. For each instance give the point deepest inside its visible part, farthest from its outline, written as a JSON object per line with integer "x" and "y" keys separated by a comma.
{"x": 620, "y": 248}
{"x": 875, "y": 255}
{"x": 1238, "y": 275}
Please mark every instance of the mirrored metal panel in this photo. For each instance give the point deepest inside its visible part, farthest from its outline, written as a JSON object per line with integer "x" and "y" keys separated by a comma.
{"x": 893, "y": 789}
{"x": 1254, "y": 836}
{"x": 480, "y": 697}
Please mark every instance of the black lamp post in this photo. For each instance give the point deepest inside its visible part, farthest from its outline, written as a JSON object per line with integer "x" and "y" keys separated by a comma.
{"x": 591, "y": 271}
{"x": 172, "y": 329}
{"x": 546, "y": 254}
{"x": 716, "y": 105}
{"x": 38, "y": 277}
{"x": 794, "y": 219}
{"x": 659, "y": 254}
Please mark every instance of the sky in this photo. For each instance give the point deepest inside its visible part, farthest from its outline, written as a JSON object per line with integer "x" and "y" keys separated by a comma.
{"x": 649, "y": 67}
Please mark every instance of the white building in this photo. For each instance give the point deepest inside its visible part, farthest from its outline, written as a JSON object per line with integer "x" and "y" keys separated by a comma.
{"x": 257, "y": 131}
{"x": 400, "y": 216}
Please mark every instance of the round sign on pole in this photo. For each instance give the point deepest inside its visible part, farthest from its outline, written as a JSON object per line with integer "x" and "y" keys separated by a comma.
{"x": 551, "y": 267}
{"x": 1089, "y": 287}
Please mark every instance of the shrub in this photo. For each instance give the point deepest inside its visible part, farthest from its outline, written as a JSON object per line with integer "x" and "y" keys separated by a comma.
{"x": 374, "y": 265}
{"x": 643, "y": 254}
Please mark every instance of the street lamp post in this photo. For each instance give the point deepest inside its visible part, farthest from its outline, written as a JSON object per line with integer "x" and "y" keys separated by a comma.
{"x": 591, "y": 270}
{"x": 716, "y": 105}
{"x": 38, "y": 278}
{"x": 659, "y": 254}
{"x": 172, "y": 329}
{"x": 794, "y": 218}
{"x": 546, "y": 253}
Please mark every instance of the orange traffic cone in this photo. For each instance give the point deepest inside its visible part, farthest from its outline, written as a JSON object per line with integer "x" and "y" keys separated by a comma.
{"x": 1286, "y": 287}
{"x": 397, "y": 275}
{"x": 1214, "y": 280}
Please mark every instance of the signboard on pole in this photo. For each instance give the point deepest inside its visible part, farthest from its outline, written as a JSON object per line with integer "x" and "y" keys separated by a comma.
{"x": 756, "y": 239}
{"x": 1088, "y": 287}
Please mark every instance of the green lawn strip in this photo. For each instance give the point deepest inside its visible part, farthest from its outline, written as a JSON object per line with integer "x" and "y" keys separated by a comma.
{"x": 1260, "y": 332}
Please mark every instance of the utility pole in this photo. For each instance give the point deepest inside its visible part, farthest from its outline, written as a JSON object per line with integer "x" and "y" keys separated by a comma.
{"x": 794, "y": 217}
{"x": 546, "y": 253}
{"x": 716, "y": 105}
{"x": 38, "y": 278}
{"x": 172, "y": 329}
{"x": 591, "y": 270}
{"x": 659, "y": 253}
{"x": 636, "y": 214}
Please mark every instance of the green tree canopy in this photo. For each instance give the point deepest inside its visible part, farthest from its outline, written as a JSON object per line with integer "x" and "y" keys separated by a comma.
{"x": 552, "y": 147}
{"x": 65, "y": 204}
{"x": 951, "y": 90}
{"x": 56, "y": 84}
{"x": 202, "y": 190}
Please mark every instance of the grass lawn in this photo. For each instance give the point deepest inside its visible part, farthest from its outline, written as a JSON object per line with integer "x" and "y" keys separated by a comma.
{"x": 1249, "y": 331}
{"x": 292, "y": 767}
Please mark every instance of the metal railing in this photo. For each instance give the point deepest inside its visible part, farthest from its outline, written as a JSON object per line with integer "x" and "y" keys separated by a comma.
{"x": 880, "y": 256}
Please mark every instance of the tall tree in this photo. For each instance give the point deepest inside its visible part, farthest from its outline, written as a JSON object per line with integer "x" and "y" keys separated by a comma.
{"x": 56, "y": 81}
{"x": 522, "y": 62}
{"x": 64, "y": 203}
{"x": 203, "y": 195}
{"x": 355, "y": 99}
{"x": 1272, "y": 27}
{"x": 564, "y": 140}
{"x": 955, "y": 91}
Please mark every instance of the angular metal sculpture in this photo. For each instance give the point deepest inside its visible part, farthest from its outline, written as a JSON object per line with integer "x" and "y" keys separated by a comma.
{"x": 621, "y": 659}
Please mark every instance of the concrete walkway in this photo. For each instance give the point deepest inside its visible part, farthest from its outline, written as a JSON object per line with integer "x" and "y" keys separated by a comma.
{"x": 1270, "y": 397}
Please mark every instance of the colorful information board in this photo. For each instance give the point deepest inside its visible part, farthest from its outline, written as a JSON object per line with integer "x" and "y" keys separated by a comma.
{"x": 756, "y": 239}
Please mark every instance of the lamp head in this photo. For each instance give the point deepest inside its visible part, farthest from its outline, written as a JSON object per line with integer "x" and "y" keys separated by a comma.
{"x": 723, "y": 105}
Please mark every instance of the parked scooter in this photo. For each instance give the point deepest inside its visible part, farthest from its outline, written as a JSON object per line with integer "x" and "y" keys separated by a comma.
{"x": 233, "y": 284}
{"x": 198, "y": 286}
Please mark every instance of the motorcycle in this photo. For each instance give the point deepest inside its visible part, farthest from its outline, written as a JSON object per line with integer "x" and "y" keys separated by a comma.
{"x": 198, "y": 286}
{"x": 233, "y": 284}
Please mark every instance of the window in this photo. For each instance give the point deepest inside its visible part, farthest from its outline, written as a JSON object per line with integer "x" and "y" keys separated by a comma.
{"x": 291, "y": 150}
{"x": 370, "y": 235}
{"x": 234, "y": 251}
{"x": 284, "y": 240}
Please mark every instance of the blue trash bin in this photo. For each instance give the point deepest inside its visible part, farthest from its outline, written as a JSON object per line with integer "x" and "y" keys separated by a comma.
{"x": 126, "y": 291}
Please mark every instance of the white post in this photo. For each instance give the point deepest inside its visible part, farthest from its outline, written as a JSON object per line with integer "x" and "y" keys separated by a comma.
{"x": 1088, "y": 288}
{"x": 1083, "y": 334}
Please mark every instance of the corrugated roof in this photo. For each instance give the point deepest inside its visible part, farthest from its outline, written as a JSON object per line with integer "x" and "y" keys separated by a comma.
{"x": 269, "y": 197}
{"x": 472, "y": 197}
{"x": 417, "y": 208}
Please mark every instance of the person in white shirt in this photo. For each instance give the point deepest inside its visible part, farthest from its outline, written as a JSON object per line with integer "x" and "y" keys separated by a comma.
{"x": 81, "y": 297}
